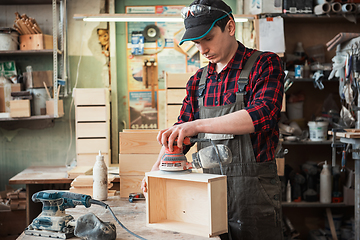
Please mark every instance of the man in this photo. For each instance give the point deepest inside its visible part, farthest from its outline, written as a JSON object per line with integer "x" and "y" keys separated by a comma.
{"x": 241, "y": 113}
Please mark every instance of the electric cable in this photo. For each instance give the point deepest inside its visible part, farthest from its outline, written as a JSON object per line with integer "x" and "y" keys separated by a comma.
{"x": 93, "y": 201}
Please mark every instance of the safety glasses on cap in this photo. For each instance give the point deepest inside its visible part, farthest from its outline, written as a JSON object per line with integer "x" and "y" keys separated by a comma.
{"x": 199, "y": 10}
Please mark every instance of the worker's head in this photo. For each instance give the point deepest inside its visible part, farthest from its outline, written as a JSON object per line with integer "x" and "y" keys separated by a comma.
{"x": 210, "y": 25}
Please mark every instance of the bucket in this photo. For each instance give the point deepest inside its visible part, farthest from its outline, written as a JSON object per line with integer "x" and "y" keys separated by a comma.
{"x": 8, "y": 40}
{"x": 318, "y": 131}
{"x": 295, "y": 110}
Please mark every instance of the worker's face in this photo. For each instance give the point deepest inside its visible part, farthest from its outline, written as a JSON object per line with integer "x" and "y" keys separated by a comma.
{"x": 215, "y": 45}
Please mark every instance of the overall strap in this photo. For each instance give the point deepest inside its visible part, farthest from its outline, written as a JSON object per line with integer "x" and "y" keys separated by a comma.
{"x": 245, "y": 72}
{"x": 202, "y": 84}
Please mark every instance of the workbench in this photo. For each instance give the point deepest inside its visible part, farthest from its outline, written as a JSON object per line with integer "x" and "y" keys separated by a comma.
{"x": 41, "y": 178}
{"x": 131, "y": 215}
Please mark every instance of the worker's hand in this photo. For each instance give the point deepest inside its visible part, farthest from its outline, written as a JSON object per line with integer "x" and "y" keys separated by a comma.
{"x": 167, "y": 137}
{"x": 143, "y": 186}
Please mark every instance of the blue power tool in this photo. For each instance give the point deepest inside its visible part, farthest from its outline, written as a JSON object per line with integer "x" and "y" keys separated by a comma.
{"x": 53, "y": 221}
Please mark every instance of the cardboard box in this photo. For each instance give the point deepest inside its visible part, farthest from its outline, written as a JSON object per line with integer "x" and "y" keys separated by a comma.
{"x": 266, "y": 6}
{"x": 5, "y": 95}
{"x": 38, "y": 78}
{"x": 36, "y": 42}
{"x": 192, "y": 203}
{"x": 50, "y": 107}
{"x": 20, "y": 108}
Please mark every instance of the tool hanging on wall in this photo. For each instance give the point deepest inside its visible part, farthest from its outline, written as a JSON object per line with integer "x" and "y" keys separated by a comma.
{"x": 150, "y": 78}
{"x": 151, "y": 33}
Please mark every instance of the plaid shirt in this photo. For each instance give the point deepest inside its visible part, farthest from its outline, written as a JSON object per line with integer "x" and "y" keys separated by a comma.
{"x": 263, "y": 99}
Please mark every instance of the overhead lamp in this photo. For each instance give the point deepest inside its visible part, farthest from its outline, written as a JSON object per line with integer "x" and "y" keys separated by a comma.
{"x": 142, "y": 18}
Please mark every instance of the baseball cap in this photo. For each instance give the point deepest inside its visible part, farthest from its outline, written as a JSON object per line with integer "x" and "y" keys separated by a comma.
{"x": 198, "y": 26}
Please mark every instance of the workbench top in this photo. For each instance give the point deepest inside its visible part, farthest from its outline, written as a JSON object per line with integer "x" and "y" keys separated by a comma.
{"x": 131, "y": 215}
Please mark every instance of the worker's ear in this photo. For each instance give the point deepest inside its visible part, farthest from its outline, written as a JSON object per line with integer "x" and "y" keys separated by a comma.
{"x": 230, "y": 27}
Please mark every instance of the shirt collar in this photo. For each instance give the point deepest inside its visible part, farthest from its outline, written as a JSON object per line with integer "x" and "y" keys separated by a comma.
{"x": 236, "y": 62}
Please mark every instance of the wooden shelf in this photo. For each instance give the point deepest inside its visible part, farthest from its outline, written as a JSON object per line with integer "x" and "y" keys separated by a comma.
{"x": 313, "y": 204}
{"x": 33, "y": 122}
{"x": 307, "y": 142}
{"x": 27, "y": 118}
{"x": 29, "y": 52}
{"x": 25, "y": 2}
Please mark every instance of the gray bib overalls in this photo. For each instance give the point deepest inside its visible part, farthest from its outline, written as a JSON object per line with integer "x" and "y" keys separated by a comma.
{"x": 254, "y": 207}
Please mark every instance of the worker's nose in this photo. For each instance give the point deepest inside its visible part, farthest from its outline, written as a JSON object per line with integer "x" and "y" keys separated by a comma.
{"x": 203, "y": 49}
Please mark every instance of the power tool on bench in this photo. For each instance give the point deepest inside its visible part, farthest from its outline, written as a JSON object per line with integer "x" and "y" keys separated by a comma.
{"x": 53, "y": 222}
{"x": 208, "y": 157}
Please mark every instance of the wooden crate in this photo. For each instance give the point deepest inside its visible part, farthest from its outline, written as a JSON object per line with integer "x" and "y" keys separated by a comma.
{"x": 20, "y": 108}
{"x": 91, "y": 96}
{"x": 177, "y": 80}
{"x": 89, "y": 159}
{"x": 175, "y": 96}
{"x": 92, "y": 145}
{"x": 92, "y": 129}
{"x": 136, "y": 164}
{"x": 130, "y": 184}
{"x": 192, "y": 203}
{"x": 92, "y": 114}
{"x": 140, "y": 141}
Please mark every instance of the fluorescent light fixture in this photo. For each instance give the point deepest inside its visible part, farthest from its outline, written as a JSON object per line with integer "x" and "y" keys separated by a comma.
{"x": 142, "y": 18}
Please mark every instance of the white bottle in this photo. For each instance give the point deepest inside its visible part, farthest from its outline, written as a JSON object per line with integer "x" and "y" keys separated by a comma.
{"x": 288, "y": 192}
{"x": 325, "y": 184}
{"x": 100, "y": 179}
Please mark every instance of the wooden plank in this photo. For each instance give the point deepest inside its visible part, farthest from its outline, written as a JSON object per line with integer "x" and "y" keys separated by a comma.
{"x": 177, "y": 80}
{"x": 98, "y": 129}
{"x": 139, "y": 142}
{"x": 130, "y": 184}
{"x": 87, "y": 180}
{"x": 91, "y": 96}
{"x": 92, "y": 145}
{"x": 92, "y": 114}
{"x": 218, "y": 205}
{"x": 185, "y": 176}
{"x": 76, "y": 171}
{"x": 136, "y": 164}
{"x": 88, "y": 159}
{"x": 175, "y": 96}
{"x": 156, "y": 212}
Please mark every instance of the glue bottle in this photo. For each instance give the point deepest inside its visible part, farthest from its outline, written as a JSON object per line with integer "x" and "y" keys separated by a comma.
{"x": 325, "y": 184}
{"x": 100, "y": 179}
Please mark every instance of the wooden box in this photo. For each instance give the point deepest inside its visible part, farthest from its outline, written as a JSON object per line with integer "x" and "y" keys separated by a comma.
{"x": 89, "y": 159}
{"x": 91, "y": 96}
{"x": 37, "y": 79}
{"x": 175, "y": 96}
{"x": 92, "y": 114}
{"x": 92, "y": 130}
{"x": 5, "y": 95}
{"x": 20, "y": 108}
{"x": 141, "y": 141}
{"x": 36, "y": 42}
{"x": 92, "y": 145}
{"x": 177, "y": 80}
{"x": 192, "y": 203}
{"x": 50, "y": 107}
{"x": 136, "y": 164}
{"x": 130, "y": 184}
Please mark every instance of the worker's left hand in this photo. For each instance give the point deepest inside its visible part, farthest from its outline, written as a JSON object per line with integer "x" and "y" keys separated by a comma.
{"x": 167, "y": 137}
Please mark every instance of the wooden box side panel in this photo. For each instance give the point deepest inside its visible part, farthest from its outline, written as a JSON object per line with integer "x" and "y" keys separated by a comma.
{"x": 91, "y": 96}
{"x": 130, "y": 184}
{"x": 92, "y": 145}
{"x": 218, "y": 203}
{"x": 89, "y": 159}
{"x": 88, "y": 114}
{"x": 139, "y": 143}
{"x": 175, "y": 95}
{"x": 187, "y": 202}
{"x": 88, "y": 129}
{"x": 156, "y": 200}
{"x": 136, "y": 164}
{"x": 20, "y": 108}
{"x": 177, "y": 80}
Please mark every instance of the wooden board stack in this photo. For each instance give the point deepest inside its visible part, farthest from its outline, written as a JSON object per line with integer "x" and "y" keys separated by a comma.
{"x": 26, "y": 25}
{"x": 139, "y": 151}
{"x": 17, "y": 199}
{"x": 84, "y": 184}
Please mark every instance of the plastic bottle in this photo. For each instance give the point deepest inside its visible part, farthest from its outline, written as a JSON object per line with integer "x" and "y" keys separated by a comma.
{"x": 288, "y": 192}
{"x": 306, "y": 72}
{"x": 325, "y": 184}
{"x": 100, "y": 179}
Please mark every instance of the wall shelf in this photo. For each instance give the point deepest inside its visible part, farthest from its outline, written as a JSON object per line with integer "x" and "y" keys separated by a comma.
{"x": 29, "y": 52}
{"x": 314, "y": 204}
{"x": 33, "y": 122}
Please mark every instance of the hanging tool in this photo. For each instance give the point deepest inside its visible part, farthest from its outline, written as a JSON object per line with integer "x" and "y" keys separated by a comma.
{"x": 150, "y": 77}
{"x": 208, "y": 157}
{"x": 53, "y": 222}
